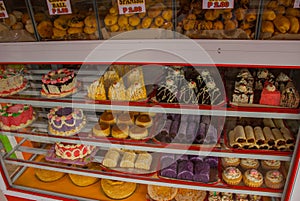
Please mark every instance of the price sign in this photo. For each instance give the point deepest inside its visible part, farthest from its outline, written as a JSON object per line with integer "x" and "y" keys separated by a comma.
{"x": 131, "y": 6}
{"x": 217, "y": 4}
{"x": 297, "y": 4}
{"x": 59, "y": 7}
{"x": 3, "y": 12}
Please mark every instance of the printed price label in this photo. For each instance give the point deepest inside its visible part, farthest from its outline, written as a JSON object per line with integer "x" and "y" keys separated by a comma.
{"x": 217, "y": 4}
{"x": 131, "y": 6}
{"x": 297, "y": 4}
{"x": 59, "y": 7}
{"x": 3, "y": 12}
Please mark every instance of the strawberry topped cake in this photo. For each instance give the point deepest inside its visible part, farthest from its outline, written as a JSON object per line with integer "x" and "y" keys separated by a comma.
{"x": 72, "y": 151}
{"x": 16, "y": 116}
{"x": 270, "y": 95}
{"x": 59, "y": 83}
{"x": 11, "y": 81}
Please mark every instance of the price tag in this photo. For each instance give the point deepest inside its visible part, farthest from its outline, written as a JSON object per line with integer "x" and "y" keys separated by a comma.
{"x": 297, "y": 4}
{"x": 131, "y": 6}
{"x": 217, "y": 4}
{"x": 3, "y": 12}
{"x": 59, "y": 7}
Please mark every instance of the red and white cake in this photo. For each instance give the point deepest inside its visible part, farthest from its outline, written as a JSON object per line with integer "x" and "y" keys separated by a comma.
{"x": 16, "y": 116}
{"x": 59, "y": 83}
{"x": 72, "y": 151}
{"x": 270, "y": 95}
{"x": 11, "y": 81}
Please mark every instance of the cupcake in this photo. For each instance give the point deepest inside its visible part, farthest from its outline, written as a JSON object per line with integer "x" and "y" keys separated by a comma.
{"x": 253, "y": 178}
{"x": 270, "y": 164}
{"x": 274, "y": 179}
{"x": 249, "y": 163}
{"x": 233, "y": 162}
{"x": 232, "y": 175}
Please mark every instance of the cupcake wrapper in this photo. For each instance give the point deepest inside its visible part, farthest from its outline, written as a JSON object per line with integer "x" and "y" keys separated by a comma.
{"x": 273, "y": 185}
{"x": 267, "y": 167}
{"x": 235, "y": 181}
{"x": 249, "y": 183}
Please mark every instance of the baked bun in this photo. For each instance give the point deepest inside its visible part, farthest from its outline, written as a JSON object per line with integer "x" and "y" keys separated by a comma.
{"x": 161, "y": 192}
{"x": 120, "y": 131}
{"x": 282, "y": 23}
{"x": 47, "y": 175}
{"x": 101, "y": 129}
{"x": 117, "y": 189}
{"x": 138, "y": 132}
{"x": 144, "y": 120}
{"x": 108, "y": 117}
{"x": 267, "y": 27}
{"x": 125, "y": 118}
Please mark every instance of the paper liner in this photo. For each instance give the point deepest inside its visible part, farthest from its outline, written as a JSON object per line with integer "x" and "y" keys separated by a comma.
{"x": 15, "y": 91}
{"x": 51, "y": 156}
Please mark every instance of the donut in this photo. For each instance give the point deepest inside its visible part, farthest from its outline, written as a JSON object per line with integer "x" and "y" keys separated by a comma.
{"x": 61, "y": 24}
{"x": 45, "y": 29}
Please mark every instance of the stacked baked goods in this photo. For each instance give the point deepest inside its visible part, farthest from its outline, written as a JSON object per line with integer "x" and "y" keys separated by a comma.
{"x": 253, "y": 173}
{"x": 59, "y": 83}
{"x": 218, "y": 23}
{"x": 16, "y": 116}
{"x": 263, "y": 87}
{"x": 280, "y": 20}
{"x": 117, "y": 189}
{"x": 117, "y": 158}
{"x": 187, "y": 129}
{"x": 191, "y": 168}
{"x": 11, "y": 81}
{"x": 188, "y": 85}
{"x": 72, "y": 151}
{"x": 157, "y": 15}
{"x": 271, "y": 135}
{"x": 214, "y": 196}
{"x": 65, "y": 121}
{"x": 19, "y": 24}
{"x": 119, "y": 84}
{"x": 123, "y": 125}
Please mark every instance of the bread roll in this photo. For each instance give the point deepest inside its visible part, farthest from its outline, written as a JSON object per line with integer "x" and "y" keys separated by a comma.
{"x": 267, "y": 27}
{"x": 143, "y": 161}
{"x": 268, "y": 15}
{"x": 250, "y": 134}
{"x": 269, "y": 136}
{"x": 232, "y": 142}
{"x": 240, "y": 135}
{"x": 293, "y": 12}
{"x": 287, "y": 135}
{"x": 111, "y": 158}
{"x": 282, "y": 23}
{"x": 128, "y": 160}
{"x": 294, "y": 24}
{"x": 279, "y": 140}
{"x": 251, "y": 16}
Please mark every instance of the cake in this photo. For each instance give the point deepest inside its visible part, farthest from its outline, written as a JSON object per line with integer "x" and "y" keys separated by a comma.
{"x": 143, "y": 161}
{"x": 270, "y": 95}
{"x": 188, "y": 93}
{"x": 117, "y": 91}
{"x": 107, "y": 117}
{"x": 281, "y": 81}
{"x": 226, "y": 162}
{"x": 128, "y": 160}
{"x": 161, "y": 192}
{"x": 201, "y": 172}
{"x": 136, "y": 92}
{"x": 270, "y": 164}
{"x": 138, "y": 132}
{"x": 16, "y": 116}
{"x": 190, "y": 194}
{"x": 290, "y": 96}
{"x": 111, "y": 158}
{"x": 144, "y": 120}
{"x": 263, "y": 76}
{"x": 120, "y": 131}
{"x": 232, "y": 175}
{"x": 47, "y": 175}
{"x": 65, "y": 121}
{"x": 72, "y": 151}
{"x": 274, "y": 179}
{"x": 117, "y": 189}
{"x": 253, "y": 178}
{"x": 125, "y": 118}
{"x": 96, "y": 90}
{"x": 59, "y": 83}
{"x": 249, "y": 163}
{"x": 243, "y": 88}
{"x": 167, "y": 92}
{"x": 80, "y": 180}
{"x": 11, "y": 81}
{"x": 101, "y": 129}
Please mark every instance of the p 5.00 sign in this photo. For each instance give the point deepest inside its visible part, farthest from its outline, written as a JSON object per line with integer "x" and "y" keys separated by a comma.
{"x": 217, "y": 4}
{"x": 131, "y": 6}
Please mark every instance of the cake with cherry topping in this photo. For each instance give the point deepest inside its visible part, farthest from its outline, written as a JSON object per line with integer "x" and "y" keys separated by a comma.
{"x": 65, "y": 121}
{"x": 270, "y": 95}
{"x": 11, "y": 81}
{"x": 232, "y": 175}
{"x": 59, "y": 83}
{"x": 72, "y": 151}
{"x": 16, "y": 116}
{"x": 274, "y": 179}
{"x": 253, "y": 178}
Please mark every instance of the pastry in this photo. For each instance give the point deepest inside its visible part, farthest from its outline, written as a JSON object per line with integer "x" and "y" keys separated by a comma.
{"x": 282, "y": 23}
{"x": 107, "y": 117}
{"x": 240, "y": 135}
{"x": 270, "y": 95}
{"x": 81, "y": 180}
{"x": 190, "y": 194}
{"x": 233, "y": 162}
{"x": 96, "y": 90}
{"x": 289, "y": 138}
{"x": 279, "y": 123}
{"x": 201, "y": 171}
{"x": 144, "y": 120}
{"x": 143, "y": 161}
{"x": 250, "y": 134}
{"x": 292, "y": 12}
{"x": 185, "y": 170}
{"x": 74, "y": 30}
{"x": 138, "y": 132}
{"x": 117, "y": 91}
{"x": 294, "y": 24}
{"x": 128, "y": 160}
{"x": 240, "y": 13}
{"x": 290, "y": 96}
{"x": 269, "y": 136}
{"x": 136, "y": 92}
{"x": 232, "y": 175}
{"x": 120, "y": 131}
{"x": 125, "y": 118}
{"x": 134, "y": 20}
{"x": 274, "y": 179}
{"x": 243, "y": 87}
{"x": 249, "y": 163}
{"x": 259, "y": 135}
{"x": 57, "y": 33}
{"x": 279, "y": 139}
{"x": 253, "y": 178}
{"x": 282, "y": 80}
{"x": 45, "y": 29}
{"x": 270, "y": 164}
{"x": 47, "y": 175}
{"x": 61, "y": 23}
{"x": 232, "y": 142}
{"x": 269, "y": 122}
{"x": 251, "y": 16}
{"x": 169, "y": 170}
{"x": 263, "y": 78}
{"x": 162, "y": 193}
{"x": 101, "y": 129}
{"x": 268, "y": 14}
{"x": 111, "y": 158}
{"x": 117, "y": 189}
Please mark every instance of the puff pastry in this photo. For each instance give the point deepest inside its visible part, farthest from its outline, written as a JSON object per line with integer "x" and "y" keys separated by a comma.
{"x": 240, "y": 135}
{"x": 269, "y": 136}
{"x": 279, "y": 139}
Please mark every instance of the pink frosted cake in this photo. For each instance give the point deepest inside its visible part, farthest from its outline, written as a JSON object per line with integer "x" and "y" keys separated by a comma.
{"x": 72, "y": 151}
{"x": 270, "y": 95}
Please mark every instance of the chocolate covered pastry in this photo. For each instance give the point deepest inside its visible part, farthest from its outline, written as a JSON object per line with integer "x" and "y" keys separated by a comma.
{"x": 167, "y": 92}
{"x": 281, "y": 81}
{"x": 262, "y": 76}
{"x": 290, "y": 96}
{"x": 243, "y": 88}
{"x": 188, "y": 93}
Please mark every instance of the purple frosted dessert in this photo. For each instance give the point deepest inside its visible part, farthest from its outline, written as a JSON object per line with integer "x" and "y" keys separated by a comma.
{"x": 184, "y": 117}
{"x": 212, "y": 161}
{"x": 200, "y": 134}
{"x": 205, "y": 119}
{"x": 170, "y": 171}
{"x": 180, "y": 158}
{"x": 195, "y": 158}
{"x": 211, "y": 135}
{"x": 177, "y": 117}
{"x": 182, "y": 130}
{"x": 191, "y": 131}
{"x": 185, "y": 170}
{"x": 174, "y": 128}
{"x": 166, "y": 127}
{"x": 201, "y": 170}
